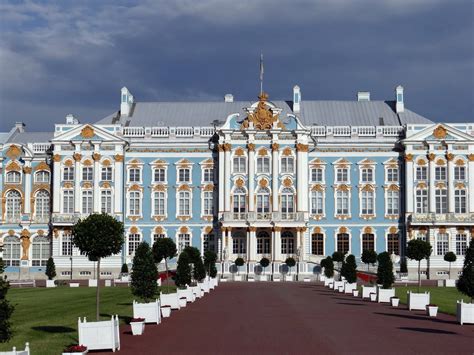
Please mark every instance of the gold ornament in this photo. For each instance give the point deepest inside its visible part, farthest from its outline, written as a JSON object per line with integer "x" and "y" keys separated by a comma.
{"x": 440, "y": 132}
{"x": 87, "y": 132}
{"x": 263, "y": 117}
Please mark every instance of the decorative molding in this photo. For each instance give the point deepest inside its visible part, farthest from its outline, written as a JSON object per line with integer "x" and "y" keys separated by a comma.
{"x": 68, "y": 185}
{"x": 459, "y": 162}
{"x": 317, "y": 230}
{"x": 133, "y": 230}
{"x": 184, "y": 230}
{"x": 27, "y": 170}
{"x": 227, "y": 147}
{"x": 393, "y": 187}
{"x": 239, "y": 182}
{"x": 251, "y": 147}
{"x": 77, "y": 156}
{"x": 13, "y": 166}
{"x": 239, "y": 152}
{"x": 440, "y": 162}
{"x": 87, "y": 162}
{"x": 450, "y": 156}
{"x": 368, "y": 230}
{"x": 42, "y": 166}
{"x": 343, "y": 230}
{"x": 262, "y": 152}
{"x": 317, "y": 187}
{"x": 440, "y": 132}
{"x": 343, "y": 187}
{"x": 252, "y": 229}
{"x": 159, "y": 230}
{"x": 422, "y": 185}
{"x": 87, "y": 185}
{"x": 262, "y": 118}
{"x": 421, "y": 162}
{"x": 135, "y": 187}
{"x": 393, "y": 230}
{"x": 287, "y": 182}
{"x": 96, "y": 156}
{"x": 208, "y": 187}
{"x": 11, "y": 232}
{"x": 409, "y": 157}
{"x": 470, "y": 157}
{"x": 460, "y": 185}
{"x": 302, "y": 147}
{"x": 87, "y": 132}
{"x": 275, "y": 146}
{"x": 56, "y": 158}
{"x": 184, "y": 187}
{"x": 159, "y": 187}
{"x": 118, "y": 158}
{"x": 431, "y": 156}
{"x": 263, "y": 183}
{"x": 13, "y": 152}
{"x": 277, "y": 229}
{"x": 208, "y": 229}
{"x": 68, "y": 163}
{"x": 106, "y": 185}
{"x": 440, "y": 185}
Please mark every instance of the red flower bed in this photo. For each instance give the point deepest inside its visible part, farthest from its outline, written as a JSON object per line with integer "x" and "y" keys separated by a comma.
{"x": 367, "y": 278}
{"x": 75, "y": 349}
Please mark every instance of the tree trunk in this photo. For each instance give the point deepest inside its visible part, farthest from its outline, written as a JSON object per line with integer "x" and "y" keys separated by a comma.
{"x": 97, "y": 296}
{"x": 166, "y": 267}
{"x": 450, "y": 270}
{"x": 419, "y": 275}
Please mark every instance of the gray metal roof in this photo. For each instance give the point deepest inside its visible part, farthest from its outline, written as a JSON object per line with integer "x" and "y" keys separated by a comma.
{"x": 4, "y": 137}
{"x": 323, "y": 113}
{"x": 31, "y": 137}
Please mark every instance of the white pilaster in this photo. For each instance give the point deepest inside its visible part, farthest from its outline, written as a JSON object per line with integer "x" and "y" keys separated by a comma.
{"x": 470, "y": 183}
{"x": 227, "y": 148}
{"x": 251, "y": 180}
{"x": 27, "y": 171}
{"x": 409, "y": 181}
{"x": 221, "y": 179}
{"x": 277, "y": 242}
{"x": 119, "y": 184}
{"x": 96, "y": 195}
{"x": 432, "y": 201}
{"x": 275, "y": 169}
{"x": 302, "y": 177}
{"x": 450, "y": 185}
{"x": 77, "y": 180}
{"x": 253, "y": 244}
{"x": 56, "y": 184}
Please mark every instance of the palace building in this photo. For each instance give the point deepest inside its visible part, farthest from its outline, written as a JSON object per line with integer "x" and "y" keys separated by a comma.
{"x": 246, "y": 179}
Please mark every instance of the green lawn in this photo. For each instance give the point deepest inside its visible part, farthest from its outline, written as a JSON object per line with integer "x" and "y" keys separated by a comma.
{"x": 47, "y": 317}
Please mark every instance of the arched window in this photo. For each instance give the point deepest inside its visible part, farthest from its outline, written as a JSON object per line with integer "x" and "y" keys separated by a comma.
{"x": 343, "y": 242}
{"x": 392, "y": 244}
{"x": 287, "y": 203}
{"x": 239, "y": 202}
{"x": 42, "y": 176}
{"x": 13, "y": 177}
{"x": 263, "y": 243}
{"x": 368, "y": 241}
{"x": 317, "y": 244}
{"x": 42, "y": 204}
{"x": 184, "y": 203}
{"x": 263, "y": 200}
{"x": 41, "y": 251}
{"x": 287, "y": 243}
{"x": 11, "y": 251}
{"x": 13, "y": 205}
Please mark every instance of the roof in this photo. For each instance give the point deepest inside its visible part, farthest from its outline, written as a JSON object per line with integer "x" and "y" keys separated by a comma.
{"x": 31, "y": 137}
{"x": 322, "y": 113}
{"x": 4, "y": 137}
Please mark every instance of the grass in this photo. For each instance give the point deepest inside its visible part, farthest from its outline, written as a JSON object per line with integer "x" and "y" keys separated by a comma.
{"x": 47, "y": 317}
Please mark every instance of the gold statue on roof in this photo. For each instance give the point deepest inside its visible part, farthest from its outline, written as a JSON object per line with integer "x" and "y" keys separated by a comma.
{"x": 263, "y": 117}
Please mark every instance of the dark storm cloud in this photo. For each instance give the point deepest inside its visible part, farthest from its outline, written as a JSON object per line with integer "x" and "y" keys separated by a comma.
{"x": 73, "y": 57}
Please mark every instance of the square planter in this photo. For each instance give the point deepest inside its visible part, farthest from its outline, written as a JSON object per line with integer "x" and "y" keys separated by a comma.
{"x": 306, "y": 279}
{"x": 237, "y": 278}
{"x": 328, "y": 281}
{"x": 276, "y": 279}
{"x": 92, "y": 283}
{"x": 263, "y": 278}
{"x": 355, "y": 293}
{"x": 384, "y": 295}
{"x": 165, "y": 311}
{"x": 149, "y": 311}
{"x": 341, "y": 289}
{"x": 137, "y": 327}
{"x": 431, "y": 311}
{"x": 251, "y": 279}
{"x": 418, "y": 301}
{"x": 108, "y": 283}
{"x": 76, "y": 353}
{"x": 349, "y": 288}
{"x": 373, "y": 297}
{"x": 465, "y": 312}
{"x": 288, "y": 278}
{"x": 450, "y": 283}
{"x": 367, "y": 290}
{"x": 338, "y": 284}
{"x": 322, "y": 277}
{"x": 50, "y": 283}
{"x": 74, "y": 284}
{"x": 101, "y": 335}
{"x": 182, "y": 302}
{"x": 395, "y": 301}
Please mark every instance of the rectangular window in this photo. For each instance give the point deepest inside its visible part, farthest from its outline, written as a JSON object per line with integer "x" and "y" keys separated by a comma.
{"x": 392, "y": 202}
{"x": 368, "y": 241}
{"x": 239, "y": 165}
{"x": 87, "y": 173}
{"x": 392, "y": 244}
{"x": 208, "y": 203}
{"x": 392, "y": 175}
{"x": 461, "y": 244}
{"x": 133, "y": 243}
{"x": 422, "y": 201}
{"x": 367, "y": 203}
{"x": 134, "y": 203}
{"x": 106, "y": 201}
{"x": 460, "y": 201}
{"x": 68, "y": 201}
{"x": 239, "y": 245}
{"x": 317, "y": 244}
{"x": 13, "y": 177}
{"x": 40, "y": 252}
{"x": 68, "y": 173}
{"x": 342, "y": 202}
{"x": 208, "y": 175}
{"x": 106, "y": 173}
{"x": 263, "y": 165}
{"x": 209, "y": 242}
{"x": 440, "y": 173}
{"x": 66, "y": 244}
{"x": 287, "y": 165}
{"x": 317, "y": 175}
{"x": 343, "y": 243}
{"x": 342, "y": 175}
{"x": 184, "y": 204}
{"x": 184, "y": 240}
{"x": 158, "y": 236}
{"x": 317, "y": 202}
{"x": 134, "y": 175}
{"x": 42, "y": 176}
{"x": 87, "y": 202}
{"x": 421, "y": 173}
{"x": 184, "y": 175}
{"x": 459, "y": 173}
{"x": 442, "y": 244}
{"x": 441, "y": 200}
{"x": 367, "y": 175}
{"x": 159, "y": 175}
{"x": 159, "y": 204}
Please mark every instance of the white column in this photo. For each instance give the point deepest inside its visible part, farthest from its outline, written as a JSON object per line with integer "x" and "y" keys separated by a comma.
{"x": 251, "y": 182}
{"x": 470, "y": 183}
{"x": 277, "y": 237}
{"x": 27, "y": 171}
{"x": 229, "y": 244}
{"x": 56, "y": 184}
{"x": 77, "y": 182}
{"x": 253, "y": 243}
{"x": 221, "y": 179}
{"x": 431, "y": 192}
{"x": 450, "y": 184}
{"x": 96, "y": 192}
{"x": 275, "y": 169}
{"x": 409, "y": 184}
{"x": 301, "y": 173}
{"x": 119, "y": 184}
{"x": 227, "y": 148}
{"x": 298, "y": 238}
{"x": 303, "y": 244}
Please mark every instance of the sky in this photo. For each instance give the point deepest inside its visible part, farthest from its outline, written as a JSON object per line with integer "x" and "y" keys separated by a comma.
{"x": 61, "y": 57}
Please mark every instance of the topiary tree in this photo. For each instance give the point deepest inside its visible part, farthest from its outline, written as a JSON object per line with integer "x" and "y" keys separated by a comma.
{"x": 124, "y": 269}
{"x": 164, "y": 248}
{"x": 98, "y": 236}
{"x": 418, "y": 249}
{"x": 264, "y": 262}
{"x": 210, "y": 259}
{"x": 50, "y": 269}
{"x": 403, "y": 266}
{"x": 183, "y": 270}
{"x": 328, "y": 265}
{"x": 6, "y": 309}
{"x": 369, "y": 257}
{"x": 213, "y": 271}
{"x": 338, "y": 257}
{"x": 290, "y": 262}
{"x": 450, "y": 257}
{"x": 466, "y": 280}
{"x": 385, "y": 270}
{"x": 349, "y": 269}
{"x": 239, "y": 262}
{"x": 144, "y": 271}
{"x": 199, "y": 272}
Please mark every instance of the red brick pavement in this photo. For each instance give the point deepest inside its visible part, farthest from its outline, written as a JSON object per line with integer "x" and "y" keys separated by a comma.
{"x": 296, "y": 318}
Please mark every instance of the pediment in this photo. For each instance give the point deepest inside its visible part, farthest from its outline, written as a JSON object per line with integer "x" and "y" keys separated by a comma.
{"x": 87, "y": 132}
{"x": 440, "y": 132}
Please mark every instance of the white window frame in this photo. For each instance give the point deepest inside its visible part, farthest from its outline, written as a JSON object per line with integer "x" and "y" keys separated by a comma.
{"x": 261, "y": 165}
{"x": 350, "y": 241}
{"x": 154, "y": 211}
{"x": 17, "y": 177}
{"x": 68, "y": 173}
{"x": 140, "y": 204}
{"x": 336, "y": 213}
{"x": 46, "y": 212}
{"x": 442, "y": 246}
{"x": 460, "y": 173}
{"x": 106, "y": 196}
{"x": 42, "y": 173}
{"x": 87, "y": 173}
{"x": 285, "y": 164}
{"x": 441, "y": 173}
{"x": 460, "y": 201}
{"x": 390, "y": 173}
{"x": 88, "y": 196}
{"x": 365, "y": 173}
{"x": 313, "y": 209}
{"x": 183, "y": 240}
{"x": 165, "y": 174}
{"x": 181, "y": 169}
{"x": 421, "y": 207}
{"x": 178, "y": 205}
{"x": 104, "y": 172}
{"x": 340, "y": 173}
{"x": 389, "y": 203}
{"x": 241, "y": 165}
{"x": 129, "y": 175}
{"x": 316, "y": 168}
{"x": 368, "y": 201}
{"x": 441, "y": 201}
{"x": 133, "y": 244}
{"x": 70, "y": 202}
{"x": 421, "y": 173}
{"x": 205, "y": 197}
{"x": 205, "y": 173}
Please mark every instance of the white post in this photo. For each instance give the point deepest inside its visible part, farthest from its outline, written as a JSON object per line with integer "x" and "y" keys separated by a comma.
{"x": 470, "y": 192}
{"x": 432, "y": 201}
{"x": 409, "y": 185}
{"x": 253, "y": 243}
{"x": 27, "y": 171}
{"x": 96, "y": 156}
{"x": 119, "y": 185}
{"x": 77, "y": 180}
{"x": 221, "y": 178}
{"x": 275, "y": 170}
{"x": 56, "y": 183}
{"x": 450, "y": 184}
{"x": 251, "y": 182}
{"x": 227, "y": 148}
{"x": 277, "y": 236}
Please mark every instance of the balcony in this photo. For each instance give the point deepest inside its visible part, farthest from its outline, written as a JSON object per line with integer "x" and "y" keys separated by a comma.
{"x": 437, "y": 218}
{"x": 264, "y": 216}
{"x": 70, "y": 218}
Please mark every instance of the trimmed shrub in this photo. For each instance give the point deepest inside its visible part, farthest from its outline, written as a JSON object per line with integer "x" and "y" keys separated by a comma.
{"x": 290, "y": 262}
{"x": 183, "y": 270}
{"x": 143, "y": 283}
{"x": 466, "y": 280}
{"x": 210, "y": 259}
{"x": 6, "y": 309}
{"x": 418, "y": 250}
{"x": 450, "y": 257}
{"x": 328, "y": 267}
{"x": 385, "y": 275}
{"x": 199, "y": 273}
{"x": 239, "y": 262}
{"x": 50, "y": 269}
{"x": 349, "y": 269}
{"x": 369, "y": 257}
{"x": 403, "y": 266}
{"x": 264, "y": 262}
{"x": 124, "y": 269}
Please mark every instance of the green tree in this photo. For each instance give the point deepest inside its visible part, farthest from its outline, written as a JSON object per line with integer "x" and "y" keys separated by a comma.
{"x": 338, "y": 257}
{"x": 183, "y": 270}
{"x": 349, "y": 269}
{"x": 369, "y": 257}
{"x": 403, "y": 266}
{"x": 6, "y": 309}
{"x": 213, "y": 271}
{"x": 164, "y": 248}
{"x": 418, "y": 250}
{"x": 290, "y": 262}
{"x": 466, "y": 280}
{"x": 144, "y": 272}
{"x": 199, "y": 272}
{"x": 239, "y": 262}
{"x": 50, "y": 269}
{"x": 328, "y": 266}
{"x": 98, "y": 236}
{"x": 450, "y": 257}
{"x": 264, "y": 262}
{"x": 385, "y": 275}
{"x": 210, "y": 259}
{"x": 124, "y": 269}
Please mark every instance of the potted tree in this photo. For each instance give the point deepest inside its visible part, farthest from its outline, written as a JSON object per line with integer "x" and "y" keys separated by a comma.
{"x": 6, "y": 309}
{"x": 50, "y": 272}
{"x": 143, "y": 285}
{"x": 124, "y": 273}
{"x": 264, "y": 262}
{"x": 450, "y": 257}
{"x": 238, "y": 263}
{"x": 164, "y": 249}
{"x": 338, "y": 257}
{"x": 350, "y": 273}
{"x": 465, "y": 284}
{"x": 385, "y": 278}
{"x": 369, "y": 257}
{"x": 418, "y": 250}
{"x": 290, "y": 262}
{"x": 328, "y": 271}
{"x": 137, "y": 325}
{"x": 98, "y": 236}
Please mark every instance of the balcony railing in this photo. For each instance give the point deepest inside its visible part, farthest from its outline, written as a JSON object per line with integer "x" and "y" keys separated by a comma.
{"x": 442, "y": 217}
{"x": 264, "y": 216}
{"x": 65, "y": 218}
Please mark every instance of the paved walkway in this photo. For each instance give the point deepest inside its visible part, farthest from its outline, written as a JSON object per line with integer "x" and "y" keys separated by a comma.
{"x": 296, "y": 318}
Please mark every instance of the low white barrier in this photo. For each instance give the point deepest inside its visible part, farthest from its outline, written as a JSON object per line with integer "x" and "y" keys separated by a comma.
{"x": 92, "y": 282}
{"x": 50, "y": 283}
{"x": 100, "y": 335}
{"x": 149, "y": 311}
{"x": 204, "y": 286}
{"x": 367, "y": 290}
{"x": 187, "y": 293}
{"x": 384, "y": 295}
{"x": 17, "y": 352}
{"x": 322, "y": 277}
{"x": 328, "y": 280}
{"x": 449, "y": 283}
{"x": 337, "y": 284}
{"x": 198, "y": 293}
{"x": 74, "y": 284}
{"x": 418, "y": 301}
{"x": 348, "y": 288}
{"x": 465, "y": 312}
{"x": 170, "y": 299}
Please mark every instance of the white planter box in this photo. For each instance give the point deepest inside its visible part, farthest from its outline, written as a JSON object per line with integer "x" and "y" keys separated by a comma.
{"x": 125, "y": 278}
{"x": 149, "y": 311}
{"x": 251, "y": 279}
{"x": 349, "y": 288}
{"x": 182, "y": 302}
{"x": 20, "y": 352}
{"x": 198, "y": 293}
{"x": 158, "y": 282}
{"x": 431, "y": 311}
{"x": 170, "y": 299}
{"x": 187, "y": 293}
{"x": 214, "y": 282}
{"x": 395, "y": 301}
{"x": 355, "y": 293}
{"x": 108, "y": 283}
{"x": 92, "y": 283}
{"x": 465, "y": 312}
{"x": 223, "y": 280}
{"x": 263, "y": 278}
{"x": 276, "y": 279}
{"x": 450, "y": 283}
{"x": 418, "y": 301}
{"x": 165, "y": 311}
{"x": 237, "y": 278}
{"x": 306, "y": 279}
{"x": 50, "y": 283}
{"x": 338, "y": 284}
{"x": 204, "y": 286}
{"x": 74, "y": 284}
{"x": 137, "y": 327}
{"x": 288, "y": 278}
{"x": 373, "y": 297}
{"x": 328, "y": 281}
{"x": 322, "y": 277}
{"x": 367, "y": 290}
{"x": 384, "y": 295}
{"x": 100, "y": 335}
{"x": 76, "y": 353}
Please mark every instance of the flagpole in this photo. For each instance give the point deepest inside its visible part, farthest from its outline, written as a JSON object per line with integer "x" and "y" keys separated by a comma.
{"x": 261, "y": 73}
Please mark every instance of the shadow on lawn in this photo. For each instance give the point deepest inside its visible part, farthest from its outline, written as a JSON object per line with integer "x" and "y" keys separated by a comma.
{"x": 427, "y": 330}
{"x": 54, "y": 329}
{"x": 125, "y": 304}
{"x": 125, "y": 319}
